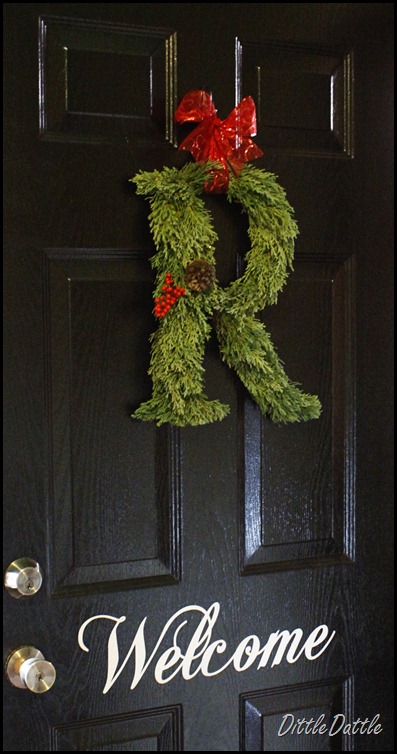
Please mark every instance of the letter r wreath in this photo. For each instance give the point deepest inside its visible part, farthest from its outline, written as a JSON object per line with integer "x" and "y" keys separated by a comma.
{"x": 188, "y": 297}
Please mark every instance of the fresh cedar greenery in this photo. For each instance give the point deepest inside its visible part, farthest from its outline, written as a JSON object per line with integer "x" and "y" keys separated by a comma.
{"x": 182, "y": 230}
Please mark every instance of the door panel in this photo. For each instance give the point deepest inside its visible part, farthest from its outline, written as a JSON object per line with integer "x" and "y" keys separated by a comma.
{"x": 272, "y": 541}
{"x": 103, "y": 82}
{"x": 91, "y": 295}
{"x": 304, "y": 513}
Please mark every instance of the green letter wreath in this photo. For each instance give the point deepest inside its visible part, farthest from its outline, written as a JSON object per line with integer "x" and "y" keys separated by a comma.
{"x": 188, "y": 298}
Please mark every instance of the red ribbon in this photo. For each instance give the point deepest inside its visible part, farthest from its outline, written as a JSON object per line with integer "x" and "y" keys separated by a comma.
{"x": 224, "y": 141}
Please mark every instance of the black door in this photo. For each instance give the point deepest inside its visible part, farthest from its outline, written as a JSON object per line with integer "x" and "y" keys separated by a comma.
{"x": 223, "y": 532}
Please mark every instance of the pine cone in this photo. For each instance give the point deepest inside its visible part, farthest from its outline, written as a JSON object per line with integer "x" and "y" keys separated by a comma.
{"x": 200, "y": 275}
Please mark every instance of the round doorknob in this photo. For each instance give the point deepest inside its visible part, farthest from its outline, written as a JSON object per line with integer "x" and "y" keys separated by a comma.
{"x": 23, "y": 578}
{"x": 26, "y": 668}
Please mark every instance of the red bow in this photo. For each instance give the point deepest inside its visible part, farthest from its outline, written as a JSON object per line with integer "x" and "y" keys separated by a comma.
{"x": 224, "y": 141}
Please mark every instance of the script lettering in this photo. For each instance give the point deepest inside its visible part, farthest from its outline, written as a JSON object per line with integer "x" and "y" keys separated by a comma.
{"x": 201, "y": 650}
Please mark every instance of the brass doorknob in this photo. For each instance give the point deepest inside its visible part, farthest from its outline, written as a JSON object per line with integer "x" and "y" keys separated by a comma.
{"x": 26, "y": 668}
{"x": 23, "y": 578}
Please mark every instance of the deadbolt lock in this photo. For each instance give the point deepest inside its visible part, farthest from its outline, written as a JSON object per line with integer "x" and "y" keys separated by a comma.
{"x": 23, "y": 578}
{"x": 26, "y": 668}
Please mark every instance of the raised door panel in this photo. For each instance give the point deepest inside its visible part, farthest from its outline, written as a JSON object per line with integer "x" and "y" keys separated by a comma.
{"x": 304, "y": 96}
{"x": 301, "y": 717}
{"x": 155, "y": 729}
{"x": 104, "y": 82}
{"x": 303, "y": 514}
{"x": 114, "y": 488}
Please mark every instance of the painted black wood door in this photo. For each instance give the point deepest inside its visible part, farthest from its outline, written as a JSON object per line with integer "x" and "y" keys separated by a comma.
{"x": 252, "y": 527}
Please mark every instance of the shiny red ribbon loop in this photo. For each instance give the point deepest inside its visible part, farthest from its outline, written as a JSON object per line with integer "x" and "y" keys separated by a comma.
{"x": 225, "y": 141}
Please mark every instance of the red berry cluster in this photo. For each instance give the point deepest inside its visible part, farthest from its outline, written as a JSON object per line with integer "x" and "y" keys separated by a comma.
{"x": 171, "y": 294}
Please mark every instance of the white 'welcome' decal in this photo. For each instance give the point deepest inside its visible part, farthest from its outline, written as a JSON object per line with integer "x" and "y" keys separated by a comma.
{"x": 200, "y": 654}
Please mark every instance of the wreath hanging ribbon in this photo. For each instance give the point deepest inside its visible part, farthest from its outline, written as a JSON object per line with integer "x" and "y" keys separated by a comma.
{"x": 226, "y": 142}
{"x": 187, "y": 295}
